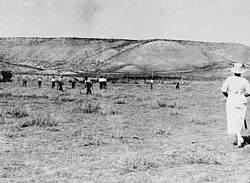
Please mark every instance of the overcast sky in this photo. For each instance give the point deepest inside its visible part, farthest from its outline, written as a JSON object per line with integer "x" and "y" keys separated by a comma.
{"x": 201, "y": 20}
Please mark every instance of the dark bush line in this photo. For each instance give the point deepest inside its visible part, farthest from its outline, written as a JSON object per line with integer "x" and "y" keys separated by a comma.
{"x": 3, "y": 95}
{"x": 31, "y": 96}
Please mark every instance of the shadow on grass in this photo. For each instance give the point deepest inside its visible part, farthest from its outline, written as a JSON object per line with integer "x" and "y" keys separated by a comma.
{"x": 246, "y": 140}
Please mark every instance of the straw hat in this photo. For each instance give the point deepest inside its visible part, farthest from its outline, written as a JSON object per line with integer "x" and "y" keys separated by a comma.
{"x": 238, "y": 68}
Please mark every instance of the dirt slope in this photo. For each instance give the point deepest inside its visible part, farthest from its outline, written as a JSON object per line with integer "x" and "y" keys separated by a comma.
{"x": 79, "y": 55}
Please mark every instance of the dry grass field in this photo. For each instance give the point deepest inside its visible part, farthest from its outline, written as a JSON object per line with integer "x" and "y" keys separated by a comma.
{"x": 126, "y": 133}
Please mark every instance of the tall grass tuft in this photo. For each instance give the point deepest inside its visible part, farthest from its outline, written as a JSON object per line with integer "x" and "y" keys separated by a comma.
{"x": 12, "y": 132}
{"x": 89, "y": 107}
{"x": 16, "y": 112}
{"x": 5, "y": 94}
{"x": 139, "y": 163}
{"x": 42, "y": 120}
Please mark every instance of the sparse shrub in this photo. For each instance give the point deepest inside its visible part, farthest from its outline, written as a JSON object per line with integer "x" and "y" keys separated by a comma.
{"x": 174, "y": 113}
{"x": 120, "y": 101}
{"x": 2, "y": 120}
{"x": 5, "y": 94}
{"x": 108, "y": 96}
{"x": 113, "y": 112}
{"x": 109, "y": 111}
{"x": 117, "y": 97}
{"x": 198, "y": 156}
{"x": 34, "y": 96}
{"x": 120, "y": 96}
{"x": 54, "y": 97}
{"x": 12, "y": 132}
{"x": 42, "y": 120}
{"x": 67, "y": 99}
{"x": 161, "y": 103}
{"x": 202, "y": 159}
{"x": 172, "y": 105}
{"x": 138, "y": 163}
{"x": 162, "y": 132}
{"x": 88, "y": 108}
{"x": 98, "y": 95}
{"x": 197, "y": 122}
{"x": 2, "y": 113}
{"x": 139, "y": 99}
{"x": 17, "y": 112}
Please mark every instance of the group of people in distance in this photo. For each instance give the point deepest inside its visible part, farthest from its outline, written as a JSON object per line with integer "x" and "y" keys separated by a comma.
{"x": 60, "y": 82}
{"x": 235, "y": 88}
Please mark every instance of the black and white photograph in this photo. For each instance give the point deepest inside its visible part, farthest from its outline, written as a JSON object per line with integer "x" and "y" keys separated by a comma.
{"x": 125, "y": 91}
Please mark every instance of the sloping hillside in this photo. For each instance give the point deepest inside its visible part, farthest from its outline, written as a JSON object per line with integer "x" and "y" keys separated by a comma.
{"x": 81, "y": 55}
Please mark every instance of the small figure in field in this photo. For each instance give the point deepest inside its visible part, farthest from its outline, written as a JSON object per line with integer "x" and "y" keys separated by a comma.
{"x": 60, "y": 83}
{"x": 39, "y": 82}
{"x": 53, "y": 81}
{"x": 177, "y": 87}
{"x": 151, "y": 83}
{"x": 73, "y": 82}
{"x": 88, "y": 85}
{"x": 103, "y": 82}
{"x": 236, "y": 89}
{"x": 25, "y": 80}
{"x": 57, "y": 83}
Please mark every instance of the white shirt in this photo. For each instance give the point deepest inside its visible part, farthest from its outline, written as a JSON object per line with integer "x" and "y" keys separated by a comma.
{"x": 236, "y": 87}
{"x": 102, "y": 80}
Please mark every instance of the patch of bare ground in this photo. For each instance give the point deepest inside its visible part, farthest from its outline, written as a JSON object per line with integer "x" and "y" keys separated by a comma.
{"x": 125, "y": 133}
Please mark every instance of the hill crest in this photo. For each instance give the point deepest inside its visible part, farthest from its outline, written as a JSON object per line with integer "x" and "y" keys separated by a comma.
{"x": 116, "y": 55}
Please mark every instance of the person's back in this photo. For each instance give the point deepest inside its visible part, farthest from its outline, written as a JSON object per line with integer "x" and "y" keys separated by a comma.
{"x": 236, "y": 88}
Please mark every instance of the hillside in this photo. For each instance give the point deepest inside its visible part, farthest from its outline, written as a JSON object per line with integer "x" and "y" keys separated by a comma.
{"x": 116, "y": 55}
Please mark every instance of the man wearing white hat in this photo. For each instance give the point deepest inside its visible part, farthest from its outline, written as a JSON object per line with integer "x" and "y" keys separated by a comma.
{"x": 236, "y": 89}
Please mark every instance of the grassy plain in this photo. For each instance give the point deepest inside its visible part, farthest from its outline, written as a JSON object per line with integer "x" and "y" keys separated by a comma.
{"x": 127, "y": 133}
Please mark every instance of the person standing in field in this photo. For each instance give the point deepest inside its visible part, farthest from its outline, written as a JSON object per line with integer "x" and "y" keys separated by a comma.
{"x": 236, "y": 88}
{"x": 88, "y": 85}
{"x": 60, "y": 83}
{"x": 53, "y": 81}
{"x": 39, "y": 82}
{"x": 25, "y": 80}
{"x": 151, "y": 83}
{"x": 73, "y": 82}
{"x": 177, "y": 87}
{"x": 103, "y": 82}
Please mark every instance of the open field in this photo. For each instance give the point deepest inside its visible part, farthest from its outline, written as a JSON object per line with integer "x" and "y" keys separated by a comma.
{"x": 127, "y": 133}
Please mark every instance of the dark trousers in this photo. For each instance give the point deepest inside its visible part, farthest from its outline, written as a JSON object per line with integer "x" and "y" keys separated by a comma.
{"x": 60, "y": 86}
{"x": 39, "y": 84}
{"x": 24, "y": 83}
{"x": 73, "y": 85}
{"x": 53, "y": 84}
{"x": 103, "y": 85}
{"x": 89, "y": 91}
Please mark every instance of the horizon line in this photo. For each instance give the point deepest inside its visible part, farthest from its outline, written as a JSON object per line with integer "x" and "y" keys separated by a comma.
{"x": 124, "y": 39}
